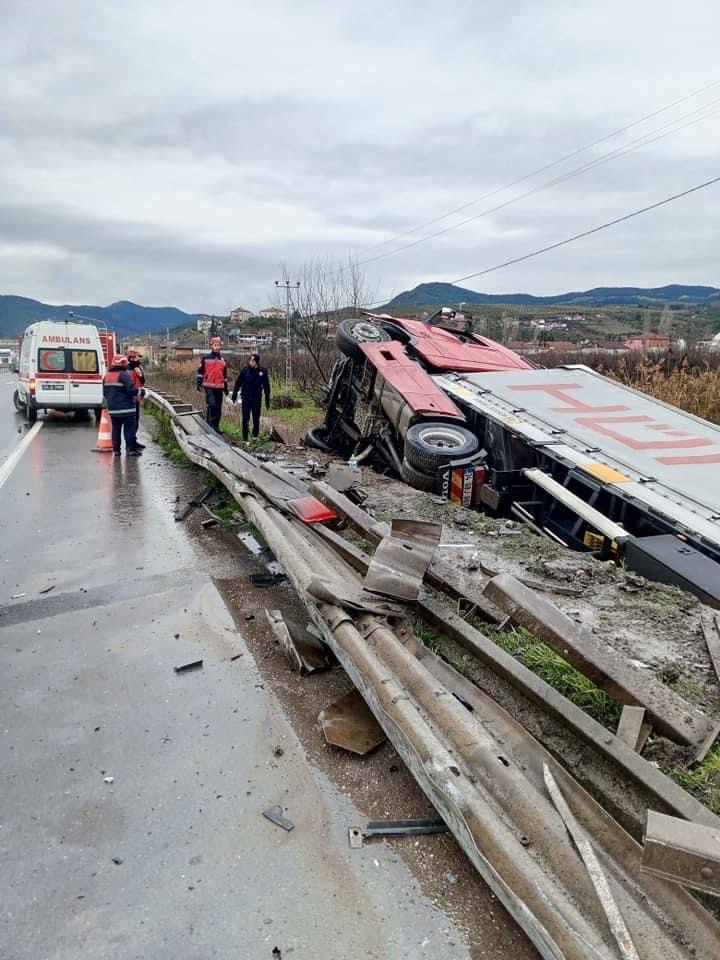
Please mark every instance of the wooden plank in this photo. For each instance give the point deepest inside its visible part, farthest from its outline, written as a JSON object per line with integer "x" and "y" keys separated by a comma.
{"x": 670, "y": 713}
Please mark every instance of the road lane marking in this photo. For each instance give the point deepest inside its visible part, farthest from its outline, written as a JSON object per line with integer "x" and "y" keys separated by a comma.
{"x": 12, "y": 461}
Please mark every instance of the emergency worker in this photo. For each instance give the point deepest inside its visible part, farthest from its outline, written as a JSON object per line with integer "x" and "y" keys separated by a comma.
{"x": 251, "y": 383}
{"x": 138, "y": 378}
{"x": 212, "y": 375}
{"x": 120, "y": 395}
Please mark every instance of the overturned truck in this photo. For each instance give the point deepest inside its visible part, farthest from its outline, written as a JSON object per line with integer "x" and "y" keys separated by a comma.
{"x": 592, "y": 463}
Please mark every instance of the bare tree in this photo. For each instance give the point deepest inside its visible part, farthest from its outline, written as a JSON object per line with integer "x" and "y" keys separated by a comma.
{"x": 329, "y": 292}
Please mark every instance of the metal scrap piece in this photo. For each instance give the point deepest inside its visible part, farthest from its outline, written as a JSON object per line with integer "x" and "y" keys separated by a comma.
{"x": 186, "y": 667}
{"x": 350, "y": 724}
{"x": 304, "y": 651}
{"x": 599, "y": 881}
{"x": 275, "y": 815}
{"x": 347, "y": 596}
{"x": 402, "y": 558}
{"x": 687, "y": 853}
{"x": 395, "y": 828}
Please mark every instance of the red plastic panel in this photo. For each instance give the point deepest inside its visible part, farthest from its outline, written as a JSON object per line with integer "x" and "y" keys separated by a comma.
{"x": 409, "y": 379}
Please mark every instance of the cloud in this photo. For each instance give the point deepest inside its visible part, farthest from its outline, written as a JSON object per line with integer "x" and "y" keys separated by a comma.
{"x": 180, "y": 159}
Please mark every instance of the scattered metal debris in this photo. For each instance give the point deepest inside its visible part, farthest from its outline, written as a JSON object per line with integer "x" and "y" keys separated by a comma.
{"x": 275, "y": 815}
{"x": 302, "y": 649}
{"x": 350, "y": 724}
{"x": 47, "y": 589}
{"x": 352, "y": 597}
{"x": 186, "y": 667}
{"x": 633, "y": 728}
{"x": 195, "y": 502}
{"x": 267, "y": 579}
{"x": 687, "y": 853}
{"x": 402, "y": 558}
{"x": 16, "y": 596}
{"x": 599, "y": 881}
{"x": 395, "y": 828}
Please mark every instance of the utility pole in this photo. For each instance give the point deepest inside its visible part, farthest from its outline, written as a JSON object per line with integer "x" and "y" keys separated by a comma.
{"x": 167, "y": 346}
{"x": 288, "y": 285}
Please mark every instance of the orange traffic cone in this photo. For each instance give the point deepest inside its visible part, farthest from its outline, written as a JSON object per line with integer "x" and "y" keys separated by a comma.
{"x": 104, "y": 439}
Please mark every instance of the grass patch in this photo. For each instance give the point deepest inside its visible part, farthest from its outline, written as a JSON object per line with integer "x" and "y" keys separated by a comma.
{"x": 704, "y": 781}
{"x": 166, "y": 438}
{"x": 561, "y": 676}
{"x": 428, "y": 635}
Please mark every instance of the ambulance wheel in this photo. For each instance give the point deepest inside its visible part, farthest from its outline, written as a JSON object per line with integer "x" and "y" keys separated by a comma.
{"x": 98, "y": 414}
{"x": 30, "y": 413}
{"x": 432, "y": 445}
{"x": 82, "y": 415}
{"x": 19, "y": 405}
{"x": 351, "y": 333}
{"x": 419, "y": 479}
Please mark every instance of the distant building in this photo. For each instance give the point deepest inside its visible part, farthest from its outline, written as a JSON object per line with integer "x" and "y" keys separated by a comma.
{"x": 272, "y": 313}
{"x": 240, "y": 315}
{"x": 648, "y": 341}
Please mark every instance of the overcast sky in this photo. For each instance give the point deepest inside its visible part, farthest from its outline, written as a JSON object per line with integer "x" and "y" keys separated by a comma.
{"x": 176, "y": 153}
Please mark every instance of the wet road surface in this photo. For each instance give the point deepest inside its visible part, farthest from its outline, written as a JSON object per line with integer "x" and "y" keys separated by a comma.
{"x": 133, "y": 795}
{"x": 172, "y": 858}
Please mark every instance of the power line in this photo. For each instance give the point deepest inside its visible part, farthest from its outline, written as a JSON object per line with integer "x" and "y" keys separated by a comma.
{"x": 651, "y": 137}
{"x": 587, "y": 233}
{"x": 547, "y": 166}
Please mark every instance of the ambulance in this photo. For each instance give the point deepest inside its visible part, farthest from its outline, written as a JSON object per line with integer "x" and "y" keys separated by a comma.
{"x": 61, "y": 367}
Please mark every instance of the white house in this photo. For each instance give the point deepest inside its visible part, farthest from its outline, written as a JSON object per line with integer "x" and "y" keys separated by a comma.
{"x": 240, "y": 315}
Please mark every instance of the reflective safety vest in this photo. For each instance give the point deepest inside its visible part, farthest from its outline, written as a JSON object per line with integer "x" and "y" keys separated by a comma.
{"x": 212, "y": 372}
{"x": 119, "y": 393}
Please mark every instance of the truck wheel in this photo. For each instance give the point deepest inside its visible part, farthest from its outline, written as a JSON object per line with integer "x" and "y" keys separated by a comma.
{"x": 98, "y": 414}
{"x": 30, "y": 413}
{"x": 352, "y": 332}
{"x": 19, "y": 405}
{"x": 82, "y": 415}
{"x": 429, "y": 482}
{"x": 315, "y": 438}
{"x": 432, "y": 445}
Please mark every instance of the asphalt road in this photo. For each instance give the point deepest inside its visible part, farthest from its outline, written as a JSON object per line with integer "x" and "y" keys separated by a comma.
{"x": 131, "y": 822}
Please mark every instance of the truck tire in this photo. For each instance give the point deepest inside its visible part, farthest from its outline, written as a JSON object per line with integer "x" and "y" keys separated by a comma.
{"x": 419, "y": 479}
{"x": 432, "y": 445}
{"x": 30, "y": 412}
{"x": 315, "y": 438}
{"x": 352, "y": 332}
{"x": 17, "y": 402}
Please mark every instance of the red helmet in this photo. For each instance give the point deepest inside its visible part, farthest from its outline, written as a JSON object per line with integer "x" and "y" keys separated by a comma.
{"x": 119, "y": 360}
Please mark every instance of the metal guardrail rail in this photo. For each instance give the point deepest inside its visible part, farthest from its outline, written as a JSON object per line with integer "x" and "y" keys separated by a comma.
{"x": 483, "y": 772}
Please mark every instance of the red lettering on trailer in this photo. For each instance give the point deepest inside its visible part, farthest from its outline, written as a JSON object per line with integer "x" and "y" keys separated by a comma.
{"x": 599, "y": 424}
{"x": 573, "y": 405}
{"x": 689, "y": 461}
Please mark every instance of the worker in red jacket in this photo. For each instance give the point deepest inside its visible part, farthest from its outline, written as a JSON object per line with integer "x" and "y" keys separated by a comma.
{"x": 137, "y": 375}
{"x": 119, "y": 393}
{"x": 212, "y": 375}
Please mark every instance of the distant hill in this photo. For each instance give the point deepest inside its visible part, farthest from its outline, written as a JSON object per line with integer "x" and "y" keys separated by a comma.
{"x": 124, "y": 317}
{"x": 442, "y": 294}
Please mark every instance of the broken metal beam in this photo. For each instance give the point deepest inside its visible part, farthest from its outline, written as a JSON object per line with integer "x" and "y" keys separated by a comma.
{"x": 687, "y": 853}
{"x": 633, "y": 728}
{"x": 440, "y": 575}
{"x": 645, "y": 775}
{"x": 671, "y": 715}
